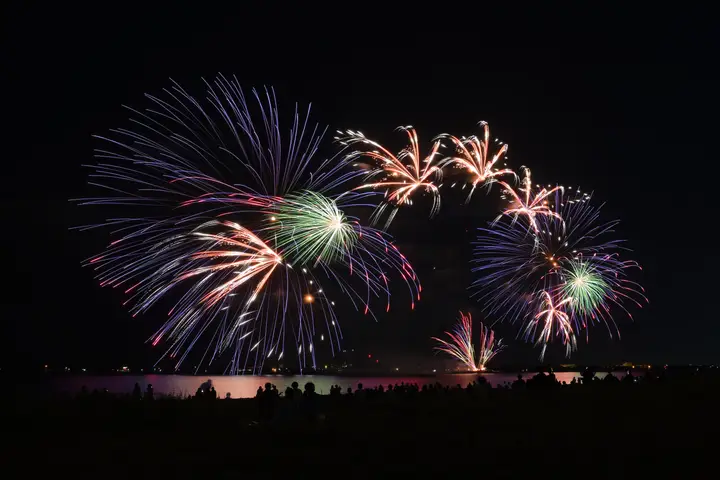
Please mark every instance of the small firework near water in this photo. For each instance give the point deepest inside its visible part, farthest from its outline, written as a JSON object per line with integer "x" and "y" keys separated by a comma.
{"x": 488, "y": 347}
{"x": 460, "y": 344}
{"x": 234, "y": 227}
{"x": 401, "y": 176}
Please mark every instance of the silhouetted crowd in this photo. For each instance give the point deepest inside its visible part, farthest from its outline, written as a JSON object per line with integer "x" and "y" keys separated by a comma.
{"x": 272, "y": 404}
{"x": 294, "y": 402}
{"x": 410, "y": 426}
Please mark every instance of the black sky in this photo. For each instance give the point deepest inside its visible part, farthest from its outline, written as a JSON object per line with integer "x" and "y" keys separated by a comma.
{"x": 619, "y": 102}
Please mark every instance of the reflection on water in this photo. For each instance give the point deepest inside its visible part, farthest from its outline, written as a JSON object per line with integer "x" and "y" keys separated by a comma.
{"x": 246, "y": 386}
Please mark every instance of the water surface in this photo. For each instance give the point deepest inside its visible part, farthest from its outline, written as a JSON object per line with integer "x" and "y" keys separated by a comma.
{"x": 246, "y": 386}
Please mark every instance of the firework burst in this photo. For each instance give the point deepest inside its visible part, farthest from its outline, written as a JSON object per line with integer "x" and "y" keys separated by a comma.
{"x": 528, "y": 205}
{"x": 239, "y": 263}
{"x": 460, "y": 344}
{"x": 401, "y": 175}
{"x": 311, "y": 228}
{"x": 585, "y": 285}
{"x": 471, "y": 155}
{"x": 570, "y": 255}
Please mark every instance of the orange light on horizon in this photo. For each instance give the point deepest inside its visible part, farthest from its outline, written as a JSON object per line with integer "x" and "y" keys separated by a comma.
{"x": 309, "y": 298}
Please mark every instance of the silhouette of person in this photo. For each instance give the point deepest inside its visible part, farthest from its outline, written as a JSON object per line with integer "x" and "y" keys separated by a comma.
{"x": 206, "y": 386}
{"x": 267, "y": 401}
{"x": 587, "y": 376}
{"x": 309, "y": 401}
{"x": 137, "y": 393}
{"x": 297, "y": 393}
{"x": 309, "y": 389}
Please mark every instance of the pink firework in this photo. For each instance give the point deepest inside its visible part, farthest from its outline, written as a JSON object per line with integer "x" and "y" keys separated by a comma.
{"x": 402, "y": 175}
{"x": 237, "y": 250}
{"x": 460, "y": 345}
{"x": 552, "y": 321}
{"x": 530, "y": 205}
{"x": 488, "y": 347}
{"x": 472, "y": 153}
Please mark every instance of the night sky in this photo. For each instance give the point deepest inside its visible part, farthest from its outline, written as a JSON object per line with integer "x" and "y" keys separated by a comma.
{"x": 621, "y": 103}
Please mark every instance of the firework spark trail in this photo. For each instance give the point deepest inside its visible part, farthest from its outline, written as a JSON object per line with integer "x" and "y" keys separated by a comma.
{"x": 528, "y": 205}
{"x": 488, "y": 347}
{"x": 224, "y": 260}
{"x": 402, "y": 174}
{"x": 240, "y": 276}
{"x": 514, "y": 262}
{"x": 552, "y": 319}
{"x": 184, "y": 153}
{"x": 471, "y": 155}
{"x": 509, "y": 269}
{"x": 252, "y": 257}
{"x": 460, "y": 345}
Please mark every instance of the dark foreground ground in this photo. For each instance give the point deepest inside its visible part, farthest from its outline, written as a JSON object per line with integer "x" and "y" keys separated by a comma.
{"x": 653, "y": 429}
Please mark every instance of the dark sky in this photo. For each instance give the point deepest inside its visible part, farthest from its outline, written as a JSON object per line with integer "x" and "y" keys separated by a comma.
{"x": 620, "y": 102}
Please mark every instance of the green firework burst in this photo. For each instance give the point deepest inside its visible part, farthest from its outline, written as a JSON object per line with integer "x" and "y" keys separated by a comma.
{"x": 585, "y": 286}
{"x": 309, "y": 227}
